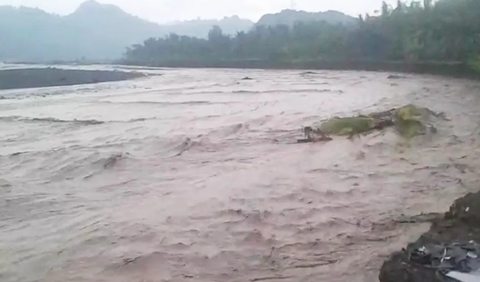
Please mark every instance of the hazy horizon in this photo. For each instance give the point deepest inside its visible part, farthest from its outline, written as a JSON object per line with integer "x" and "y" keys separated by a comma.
{"x": 164, "y": 11}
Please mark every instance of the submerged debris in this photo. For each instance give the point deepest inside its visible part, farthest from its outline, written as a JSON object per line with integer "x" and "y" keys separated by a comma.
{"x": 354, "y": 125}
{"x": 112, "y": 160}
{"x": 409, "y": 121}
{"x": 394, "y": 76}
{"x": 462, "y": 257}
{"x": 316, "y": 135}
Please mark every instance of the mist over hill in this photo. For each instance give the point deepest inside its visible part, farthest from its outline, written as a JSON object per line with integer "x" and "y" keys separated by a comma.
{"x": 94, "y": 31}
{"x": 290, "y": 17}
{"x": 97, "y": 31}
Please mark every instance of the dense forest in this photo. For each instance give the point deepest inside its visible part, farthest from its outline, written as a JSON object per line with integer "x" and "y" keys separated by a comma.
{"x": 443, "y": 31}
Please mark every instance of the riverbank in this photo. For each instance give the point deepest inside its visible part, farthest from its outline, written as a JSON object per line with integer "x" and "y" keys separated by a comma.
{"x": 454, "y": 69}
{"x": 460, "y": 224}
{"x": 46, "y": 77}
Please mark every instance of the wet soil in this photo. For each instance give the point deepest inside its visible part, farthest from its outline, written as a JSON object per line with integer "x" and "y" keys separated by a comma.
{"x": 45, "y": 77}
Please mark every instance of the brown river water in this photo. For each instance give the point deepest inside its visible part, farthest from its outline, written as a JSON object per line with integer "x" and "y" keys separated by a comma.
{"x": 195, "y": 176}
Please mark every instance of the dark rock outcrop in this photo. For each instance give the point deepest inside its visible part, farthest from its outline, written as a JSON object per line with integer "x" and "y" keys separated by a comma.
{"x": 460, "y": 224}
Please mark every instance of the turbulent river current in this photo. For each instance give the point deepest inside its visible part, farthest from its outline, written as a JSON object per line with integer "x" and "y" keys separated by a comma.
{"x": 195, "y": 175}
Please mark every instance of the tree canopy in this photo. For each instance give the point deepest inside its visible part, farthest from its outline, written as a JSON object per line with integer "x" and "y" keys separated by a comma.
{"x": 441, "y": 31}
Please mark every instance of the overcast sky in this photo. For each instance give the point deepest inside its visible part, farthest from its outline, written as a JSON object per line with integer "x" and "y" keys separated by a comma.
{"x": 169, "y": 10}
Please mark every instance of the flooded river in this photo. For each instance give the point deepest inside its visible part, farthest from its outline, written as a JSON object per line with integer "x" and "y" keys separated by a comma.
{"x": 195, "y": 176}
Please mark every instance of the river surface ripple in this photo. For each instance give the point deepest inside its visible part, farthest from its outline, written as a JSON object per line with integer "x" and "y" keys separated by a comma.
{"x": 195, "y": 176}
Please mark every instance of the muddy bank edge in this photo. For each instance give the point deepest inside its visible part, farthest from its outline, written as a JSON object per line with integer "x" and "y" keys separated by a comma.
{"x": 460, "y": 224}
{"x": 46, "y": 77}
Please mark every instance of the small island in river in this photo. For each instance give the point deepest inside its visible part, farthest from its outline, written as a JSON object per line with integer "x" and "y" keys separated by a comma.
{"x": 46, "y": 77}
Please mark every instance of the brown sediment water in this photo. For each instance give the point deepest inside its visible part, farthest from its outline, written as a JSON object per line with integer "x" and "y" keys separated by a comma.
{"x": 195, "y": 176}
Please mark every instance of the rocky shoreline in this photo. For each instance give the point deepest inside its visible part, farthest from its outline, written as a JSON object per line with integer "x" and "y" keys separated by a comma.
{"x": 46, "y": 77}
{"x": 460, "y": 224}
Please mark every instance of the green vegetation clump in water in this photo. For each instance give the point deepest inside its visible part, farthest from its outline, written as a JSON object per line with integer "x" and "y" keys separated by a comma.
{"x": 409, "y": 121}
{"x": 347, "y": 125}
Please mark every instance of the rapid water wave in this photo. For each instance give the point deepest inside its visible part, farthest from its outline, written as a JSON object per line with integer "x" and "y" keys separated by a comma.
{"x": 196, "y": 175}
{"x": 48, "y": 120}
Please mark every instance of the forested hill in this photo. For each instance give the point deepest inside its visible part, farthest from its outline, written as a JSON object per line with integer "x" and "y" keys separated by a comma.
{"x": 94, "y": 32}
{"x": 442, "y": 31}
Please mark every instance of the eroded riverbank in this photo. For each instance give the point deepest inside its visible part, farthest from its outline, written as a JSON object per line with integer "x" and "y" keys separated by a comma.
{"x": 194, "y": 175}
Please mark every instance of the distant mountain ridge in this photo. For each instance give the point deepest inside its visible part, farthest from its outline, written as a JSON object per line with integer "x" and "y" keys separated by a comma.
{"x": 94, "y": 31}
{"x": 290, "y": 17}
{"x": 103, "y": 31}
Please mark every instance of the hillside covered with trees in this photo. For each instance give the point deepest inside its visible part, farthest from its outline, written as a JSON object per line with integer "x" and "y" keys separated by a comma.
{"x": 93, "y": 32}
{"x": 443, "y": 31}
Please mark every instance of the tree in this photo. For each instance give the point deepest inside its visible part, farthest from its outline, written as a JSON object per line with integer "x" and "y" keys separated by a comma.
{"x": 442, "y": 31}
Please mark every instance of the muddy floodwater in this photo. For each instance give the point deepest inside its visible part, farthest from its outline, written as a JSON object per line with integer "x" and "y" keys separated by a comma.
{"x": 195, "y": 176}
